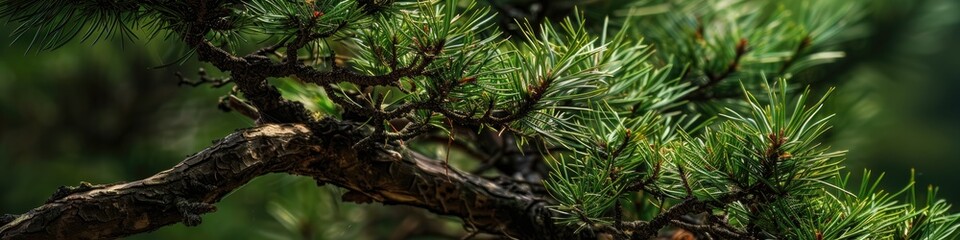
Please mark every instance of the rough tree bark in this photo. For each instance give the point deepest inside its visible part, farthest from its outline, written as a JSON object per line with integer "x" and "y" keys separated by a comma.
{"x": 182, "y": 193}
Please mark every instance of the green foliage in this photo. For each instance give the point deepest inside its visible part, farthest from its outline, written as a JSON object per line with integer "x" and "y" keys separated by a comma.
{"x": 51, "y": 24}
{"x": 871, "y": 213}
{"x": 282, "y": 17}
{"x": 780, "y": 36}
{"x": 610, "y": 153}
{"x": 771, "y": 145}
{"x": 627, "y": 109}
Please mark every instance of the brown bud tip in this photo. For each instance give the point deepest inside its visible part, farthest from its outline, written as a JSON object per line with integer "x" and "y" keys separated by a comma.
{"x": 468, "y": 80}
{"x": 805, "y": 43}
{"x": 742, "y": 46}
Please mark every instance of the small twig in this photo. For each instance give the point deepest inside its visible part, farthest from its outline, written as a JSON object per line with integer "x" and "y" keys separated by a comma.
{"x": 583, "y": 216}
{"x": 702, "y": 92}
{"x": 232, "y": 102}
{"x": 618, "y": 215}
{"x": 651, "y": 178}
{"x": 204, "y": 79}
{"x": 686, "y": 183}
{"x": 273, "y": 48}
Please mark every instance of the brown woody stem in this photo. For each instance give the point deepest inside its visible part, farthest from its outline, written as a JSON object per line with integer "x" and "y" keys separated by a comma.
{"x": 189, "y": 189}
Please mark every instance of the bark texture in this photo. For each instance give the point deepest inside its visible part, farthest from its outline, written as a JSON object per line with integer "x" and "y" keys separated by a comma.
{"x": 189, "y": 189}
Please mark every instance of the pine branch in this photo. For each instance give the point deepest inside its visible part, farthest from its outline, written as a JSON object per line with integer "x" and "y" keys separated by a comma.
{"x": 186, "y": 191}
{"x": 603, "y": 99}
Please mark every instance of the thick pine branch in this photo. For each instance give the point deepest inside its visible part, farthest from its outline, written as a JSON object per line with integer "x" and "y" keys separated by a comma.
{"x": 189, "y": 189}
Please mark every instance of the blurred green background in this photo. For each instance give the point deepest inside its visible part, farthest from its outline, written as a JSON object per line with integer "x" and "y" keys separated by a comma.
{"x": 101, "y": 113}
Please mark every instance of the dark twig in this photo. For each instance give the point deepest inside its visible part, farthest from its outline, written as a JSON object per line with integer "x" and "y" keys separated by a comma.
{"x": 272, "y": 49}
{"x": 204, "y": 79}
{"x": 691, "y": 205}
{"x": 713, "y": 79}
{"x": 231, "y": 102}
{"x": 683, "y": 179}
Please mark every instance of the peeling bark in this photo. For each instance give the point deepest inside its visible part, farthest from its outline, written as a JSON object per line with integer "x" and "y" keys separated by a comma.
{"x": 189, "y": 189}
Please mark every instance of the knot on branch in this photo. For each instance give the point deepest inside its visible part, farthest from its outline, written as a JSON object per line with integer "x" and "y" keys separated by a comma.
{"x": 64, "y": 191}
{"x": 514, "y": 186}
{"x": 191, "y": 211}
{"x": 385, "y": 154}
{"x": 332, "y": 131}
{"x": 7, "y": 218}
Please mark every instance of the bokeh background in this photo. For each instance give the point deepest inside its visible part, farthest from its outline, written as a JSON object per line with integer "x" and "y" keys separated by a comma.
{"x": 103, "y": 113}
